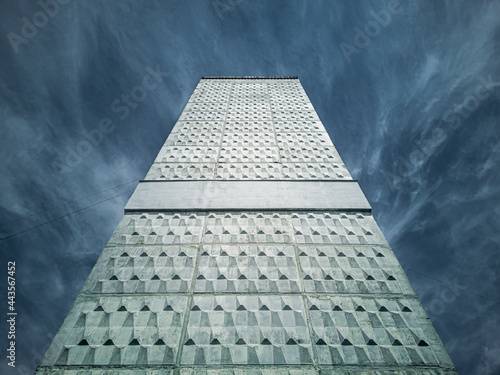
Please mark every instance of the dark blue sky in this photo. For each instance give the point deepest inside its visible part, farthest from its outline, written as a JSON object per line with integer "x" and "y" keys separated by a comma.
{"x": 409, "y": 93}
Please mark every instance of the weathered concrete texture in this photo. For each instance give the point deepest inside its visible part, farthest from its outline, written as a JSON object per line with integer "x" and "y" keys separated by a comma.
{"x": 248, "y": 131}
{"x": 247, "y": 277}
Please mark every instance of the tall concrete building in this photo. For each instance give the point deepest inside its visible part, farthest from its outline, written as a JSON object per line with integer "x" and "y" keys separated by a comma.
{"x": 247, "y": 249}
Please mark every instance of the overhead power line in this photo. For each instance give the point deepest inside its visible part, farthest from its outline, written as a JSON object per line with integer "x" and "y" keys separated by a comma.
{"x": 66, "y": 215}
{"x": 64, "y": 204}
{"x": 452, "y": 285}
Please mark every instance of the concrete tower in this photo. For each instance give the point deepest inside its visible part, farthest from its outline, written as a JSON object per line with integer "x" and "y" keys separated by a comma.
{"x": 248, "y": 249}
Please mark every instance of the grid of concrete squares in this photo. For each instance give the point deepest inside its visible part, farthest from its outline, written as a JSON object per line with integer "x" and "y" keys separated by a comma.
{"x": 248, "y": 131}
{"x": 242, "y": 288}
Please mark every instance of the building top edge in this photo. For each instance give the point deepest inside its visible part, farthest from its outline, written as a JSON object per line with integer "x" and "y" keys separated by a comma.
{"x": 249, "y": 77}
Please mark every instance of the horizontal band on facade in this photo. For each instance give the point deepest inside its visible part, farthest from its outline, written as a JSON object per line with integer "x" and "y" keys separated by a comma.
{"x": 241, "y": 180}
{"x": 201, "y": 195}
{"x": 239, "y": 210}
{"x": 250, "y": 77}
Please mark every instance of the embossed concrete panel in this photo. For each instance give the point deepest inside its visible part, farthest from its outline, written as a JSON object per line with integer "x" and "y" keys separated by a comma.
{"x": 112, "y": 330}
{"x": 247, "y": 269}
{"x": 248, "y": 195}
{"x": 143, "y": 269}
{"x": 250, "y": 330}
{"x": 353, "y": 330}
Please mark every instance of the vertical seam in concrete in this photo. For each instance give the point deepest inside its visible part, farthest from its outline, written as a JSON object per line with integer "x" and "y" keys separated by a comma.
{"x": 303, "y": 296}
{"x": 190, "y": 298}
{"x": 279, "y": 162}
{"x": 223, "y": 131}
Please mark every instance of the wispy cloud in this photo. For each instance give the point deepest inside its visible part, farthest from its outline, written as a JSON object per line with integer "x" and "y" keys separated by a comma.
{"x": 442, "y": 218}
